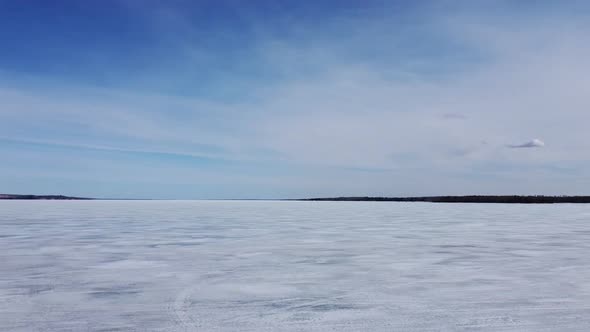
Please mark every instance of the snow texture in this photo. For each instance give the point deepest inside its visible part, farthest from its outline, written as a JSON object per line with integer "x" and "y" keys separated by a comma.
{"x": 293, "y": 266}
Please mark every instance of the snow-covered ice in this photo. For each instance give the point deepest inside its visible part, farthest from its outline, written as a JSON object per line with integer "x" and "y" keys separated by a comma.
{"x": 293, "y": 266}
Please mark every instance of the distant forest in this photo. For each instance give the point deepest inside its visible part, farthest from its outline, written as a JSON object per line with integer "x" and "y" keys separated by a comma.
{"x": 49, "y": 197}
{"x": 515, "y": 199}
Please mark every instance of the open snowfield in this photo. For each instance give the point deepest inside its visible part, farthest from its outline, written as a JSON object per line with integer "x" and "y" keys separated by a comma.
{"x": 293, "y": 266}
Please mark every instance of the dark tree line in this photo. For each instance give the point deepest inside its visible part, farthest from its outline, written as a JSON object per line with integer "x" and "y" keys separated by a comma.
{"x": 55, "y": 197}
{"x": 514, "y": 199}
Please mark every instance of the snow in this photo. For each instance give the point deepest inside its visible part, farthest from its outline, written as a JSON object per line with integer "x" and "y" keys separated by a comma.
{"x": 293, "y": 266}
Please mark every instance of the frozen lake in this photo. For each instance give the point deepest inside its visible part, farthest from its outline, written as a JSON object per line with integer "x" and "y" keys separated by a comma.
{"x": 293, "y": 266}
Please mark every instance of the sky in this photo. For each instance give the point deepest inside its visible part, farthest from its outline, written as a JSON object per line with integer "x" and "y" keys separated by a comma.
{"x": 291, "y": 99}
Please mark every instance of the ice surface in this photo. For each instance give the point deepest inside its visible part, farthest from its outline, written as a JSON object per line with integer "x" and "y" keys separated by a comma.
{"x": 293, "y": 266}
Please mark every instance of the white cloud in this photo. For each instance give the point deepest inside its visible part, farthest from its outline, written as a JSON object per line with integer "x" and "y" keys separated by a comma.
{"x": 535, "y": 143}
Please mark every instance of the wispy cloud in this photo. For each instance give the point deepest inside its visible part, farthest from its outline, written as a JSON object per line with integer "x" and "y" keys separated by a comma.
{"x": 454, "y": 116}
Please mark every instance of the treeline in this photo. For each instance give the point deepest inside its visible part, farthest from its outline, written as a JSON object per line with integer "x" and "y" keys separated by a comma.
{"x": 50, "y": 197}
{"x": 514, "y": 199}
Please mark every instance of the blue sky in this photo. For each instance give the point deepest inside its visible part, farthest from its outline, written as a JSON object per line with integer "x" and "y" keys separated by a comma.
{"x": 284, "y": 99}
